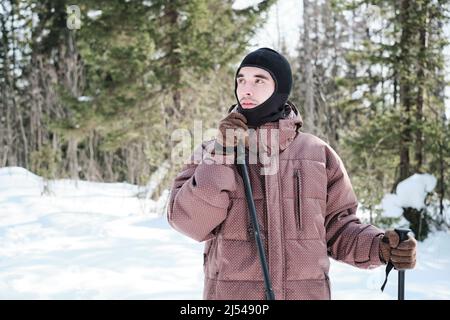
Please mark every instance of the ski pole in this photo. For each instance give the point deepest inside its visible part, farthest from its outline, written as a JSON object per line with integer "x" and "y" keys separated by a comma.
{"x": 403, "y": 235}
{"x": 254, "y": 221}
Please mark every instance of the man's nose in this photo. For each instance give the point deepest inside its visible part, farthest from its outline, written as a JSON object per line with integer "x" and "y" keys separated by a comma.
{"x": 248, "y": 90}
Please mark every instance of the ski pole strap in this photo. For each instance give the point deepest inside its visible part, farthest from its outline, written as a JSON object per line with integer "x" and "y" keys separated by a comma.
{"x": 403, "y": 235}
{"x": 389, "y": 267}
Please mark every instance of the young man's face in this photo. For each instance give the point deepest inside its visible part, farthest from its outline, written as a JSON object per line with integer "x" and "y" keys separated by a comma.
{"x": 254, "y": 86}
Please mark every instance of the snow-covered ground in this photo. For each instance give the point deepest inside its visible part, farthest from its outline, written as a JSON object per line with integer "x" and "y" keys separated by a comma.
{"x": 90, "y": 240}
{"x": 93, "y": 241}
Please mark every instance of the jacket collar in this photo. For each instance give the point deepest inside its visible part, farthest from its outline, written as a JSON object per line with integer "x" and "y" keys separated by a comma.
{"x": 288, "y": 126}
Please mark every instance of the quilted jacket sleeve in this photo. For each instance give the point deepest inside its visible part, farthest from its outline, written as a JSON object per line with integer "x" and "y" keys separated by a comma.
{"x": 199, "y": 197}
{"x": 348, "y": 240}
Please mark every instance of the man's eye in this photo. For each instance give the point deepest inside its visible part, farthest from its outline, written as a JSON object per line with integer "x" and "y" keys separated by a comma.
{"x": 259, "y": 81}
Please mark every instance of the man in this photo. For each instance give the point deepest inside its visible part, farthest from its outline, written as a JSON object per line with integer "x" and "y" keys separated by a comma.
{"x": 306, "y": 209}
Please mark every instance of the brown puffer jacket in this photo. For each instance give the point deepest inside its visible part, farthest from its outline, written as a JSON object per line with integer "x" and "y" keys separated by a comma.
{"x": 306, "y": 212}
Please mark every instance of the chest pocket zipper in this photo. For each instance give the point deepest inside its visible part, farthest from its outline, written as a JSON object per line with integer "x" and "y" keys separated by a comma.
{"x": 298, "y": 199}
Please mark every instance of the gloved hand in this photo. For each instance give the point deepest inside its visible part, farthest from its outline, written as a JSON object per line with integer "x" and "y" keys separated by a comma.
{"x": 403, "y": 255}
{"x": 230, "y": 128}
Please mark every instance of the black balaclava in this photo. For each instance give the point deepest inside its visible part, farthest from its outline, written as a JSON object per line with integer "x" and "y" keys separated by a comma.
{"x": 273, "y": 108}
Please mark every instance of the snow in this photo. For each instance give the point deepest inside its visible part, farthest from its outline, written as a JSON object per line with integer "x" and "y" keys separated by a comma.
{"x": 391, "y": 205}
{"x": 359, "y": 92}
{"x": 88, "y": 240}
{"x": 244, "y": 4}
{"x": 410, "y": 192}
{"x": 94, "y": 14}
{"x": 84, "y": 98}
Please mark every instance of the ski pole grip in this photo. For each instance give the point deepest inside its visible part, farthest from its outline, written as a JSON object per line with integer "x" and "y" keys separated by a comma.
{"x": 402, "y": 233}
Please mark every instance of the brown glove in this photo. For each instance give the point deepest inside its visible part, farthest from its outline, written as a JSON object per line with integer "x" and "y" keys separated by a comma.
{"x": 403, "y": 255}
{"x": 232, "y": 127}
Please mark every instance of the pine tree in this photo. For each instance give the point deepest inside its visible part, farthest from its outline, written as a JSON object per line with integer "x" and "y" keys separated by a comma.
{"x": 102, "y": 99}
{"x": 404, "y": 52}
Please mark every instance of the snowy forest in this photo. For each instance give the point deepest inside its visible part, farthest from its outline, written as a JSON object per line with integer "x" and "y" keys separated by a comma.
{"x": 91, "y": 91}
{"x": 98, "y": 101}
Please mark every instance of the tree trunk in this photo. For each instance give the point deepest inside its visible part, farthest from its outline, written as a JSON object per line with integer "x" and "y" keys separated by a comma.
{"x": 7, "y": 93}
{"x": 333, "y": 115}
{"x": 108, "y": 157}
{"x": 72, "y": 158}
{"x": 173, "y": 111}
{"x": 421, "y": 85}
{"x": 309, "y": 81}
{"x": 405, "y": 74}
{"x": 442, "y": 180}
